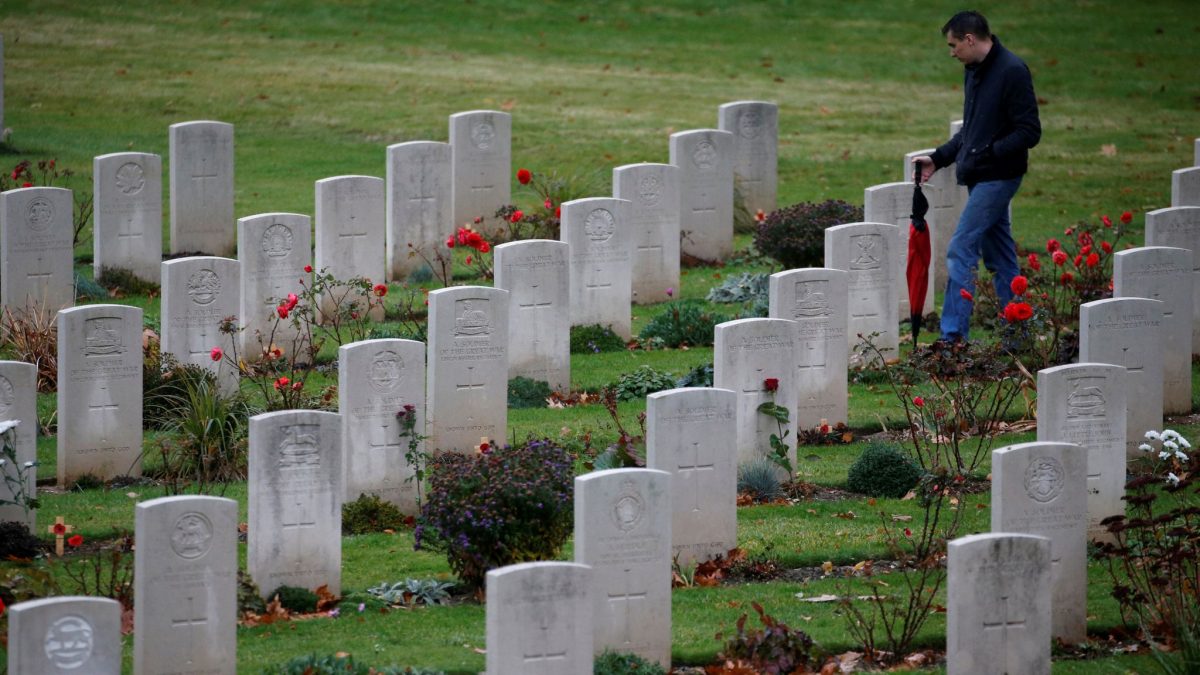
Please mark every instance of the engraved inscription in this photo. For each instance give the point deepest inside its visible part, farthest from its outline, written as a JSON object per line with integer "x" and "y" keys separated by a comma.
{"x": 69, "y": 642}
{"x": 192, "y": 536}
{"x": 204, "y": 286}
{"x": 1044, "y": 479}
{"x": 131, "y": 178}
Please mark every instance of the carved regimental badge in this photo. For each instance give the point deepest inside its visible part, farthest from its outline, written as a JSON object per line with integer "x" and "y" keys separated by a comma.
{"x": 482, "y": 135}
{"x": 649, "y": 189}
{"x": 812, "y": 299}
{"x": 1086, "y": 398}
{"x": 629, "y": 507}
{"x": 102, "y": 336}
{"x": 69, "y": 642}
{"x": 204, "y": 286}
{"x": 704, "y": 156}
{"x": 39, "y": 213}
{"x": 7, "y": 394}
{"x": 1044, "y": 479}
{"x": 386, "y": 370}
{"x": 277, "y": 241}
{"x": 192, "y": 536}
{"x": 600, "y": 225}
{"x": 131, "y": 178}
{"x": 300, "y": 447}
{"x": 867, "y": 252}
{"x": 471, "y": 318}
{"x": 750, "y": 123}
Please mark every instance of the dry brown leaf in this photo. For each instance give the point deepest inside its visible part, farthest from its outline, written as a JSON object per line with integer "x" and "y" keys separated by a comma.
{"x": 910, "y": 495}
{"x": 849, "y": 515}
{"x": 326, "y": 600}
{"x": 900, "y": 518}
{"x": 818, "y": 598}
{"x": 1108, "y": 150}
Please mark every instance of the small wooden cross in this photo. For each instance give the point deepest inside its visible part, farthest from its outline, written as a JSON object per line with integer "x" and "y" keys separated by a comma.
{"x": 60, "y": 530}
{"x": 483, "y": 445}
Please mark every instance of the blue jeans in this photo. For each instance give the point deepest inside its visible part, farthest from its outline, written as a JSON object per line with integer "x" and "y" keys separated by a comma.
{"x": 984, "y": 230}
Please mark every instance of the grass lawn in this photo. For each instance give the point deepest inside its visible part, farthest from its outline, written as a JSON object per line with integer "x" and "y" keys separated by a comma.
{"x": 318, "y": 89}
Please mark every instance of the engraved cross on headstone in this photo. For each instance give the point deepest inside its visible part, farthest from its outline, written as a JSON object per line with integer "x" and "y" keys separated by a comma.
{"x": 422, "y": 196}
{"x": 627, "y": 598}
{"x": 812, "y": 355}
{"x": 387, "y": 437}
{"x": 594, "y": 282}
{"x": 352, "y": 236}
{"x": 295, "y": 520}
{"x": 103, "y": 409}
{"x": 1003, "y": 625}
{"x": 754, "y": 386}
{"x": 471, "y": 384}
{"x": 1125, "y": 361}
{"x": 204, "y": 173}
{"x": 206, "y": 345}
{"x": 542, "y": 654}
{"x": 190, "y": 620}
{"x": 864, "y": 308}
{"x": 690, "y": 473}
{"x": 40, "y": 277}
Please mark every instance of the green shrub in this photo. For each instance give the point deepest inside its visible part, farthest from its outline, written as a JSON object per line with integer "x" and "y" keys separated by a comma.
{"x": 412, "y": 592}
{"x": 510, "y": 505}
{"x": 882, "y": 470}
{"x": 623, "y": 663}
{"x": 249, "y": 597}
{"x": 125, "y": 282}
{"x": 594, "y": 338}
{"x": 369, "y": 514}
{"x": 795, "y": 235}
{"x": 743, "y": 287}
{"x": 17, "y": 542}
{"x": 330, "y": 664}
{"x": 774, "y": 648}
{"x": 700, "y": 376}
{"x": 645, "y": 380}
{"x": 685, "y": 322}
{"x": 210, "y": 441}
{"x": 759, "y": 478}
{"x": 296, "y": 599}
{"x": 86, "y": 289}
{"x": 526, "y": 393}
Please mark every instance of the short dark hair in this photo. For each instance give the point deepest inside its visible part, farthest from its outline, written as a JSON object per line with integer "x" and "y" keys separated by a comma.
{"x": 967, "y": 22}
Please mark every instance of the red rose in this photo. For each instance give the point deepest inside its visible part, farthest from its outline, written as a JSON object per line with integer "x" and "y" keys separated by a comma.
{"x": 1010, "y": 312}
{"x": 25, "y": 185}
{"x": 1093, "y": 260}
{"x": 1078, "y": 260}
{"x": 380, "y": 290}
{"x": 468, "y": 260}
{"x": 484, "y": 247}
{"x": 1052, "y": 245}
{"x": 277, "y": 352}
{"x": 450, "y": 241}
{"x": 292, "y": 300}
{"x": 1106, "y": 247}
{"x": 1034, "y": 263}
{"x": 1019, "y": 285}
{"x": 282, "y": 310}
{"x": 1106, "y": 220}
{"x": 462, "y": 235}
{"x": 478, "y": 219}
{"x": 918, "y": 401}
{"x": 308, "y": 268}
{"x": 297, "y": 386}
{"x": 524, "y": 176}
{"x": 558, "y": 212}
{"x": 771, "y": 384}
{"x": 966, "y": 295}
{"x": 217, "y": 354}
{"x": 1066, "y": 278}
{"x": 1059, "y": 258}
{"x": 1023, "y": 311}
{"x": 1085, "y": 250}
{"x": 474, "y": 239}
{"x": 1126, "y": 218}
{"x": 76, "y": 541}
{"x": 281, "y": 383}
{"x": 908, "y": 532}
{"x": 517, "y": 216}
{"x": 548, "y": 204}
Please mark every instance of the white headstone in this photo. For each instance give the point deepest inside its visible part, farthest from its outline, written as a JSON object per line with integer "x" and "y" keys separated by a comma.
{"x": 295, "y": 501}
{"x": 705, "y": 161}
{"x": 376, "y": 380}
{"x": 892, "y": 203}
{"x": 998, "y": 605}
{"x": 99, "y": 392}
{"x": 350, "y": 237}
{"x": 419, "y": 203}
{"x": 467, "y": 383}
{"x": 273, "y": 248}
{"x": 623, "y": 530}
{"x": 691, "y": 434}
{"x": 955, "y": 127}
{"x": 481, "y": 163}
{"x": 602, "y": 240}
{"x": 816, "y": 300}
{"x": 946, "y": 201}
{"x": 653, "y": 194}
{"x": 539, "y": 619}
{"x": 1180, "y": 227}
{"x": 18, "y": 401}
{"x": 1041, "y": 488}
{"x": 186, "y": 585}
{"x": 65, "y": 635}
{"x": 870, "y": 253}
{"x": 1128, "y": 332}
{"x": 1085, "y": 404}
{"x": 755, "y": 129}
{"x": 201, "y": 178}
{"x": 1185, "y": 187}
{"x": 36, "y": 251}
{"x": 127, "y": 221}
{"x": 197, "y": 294}
{"x": 535, "y": 273}
{"x": 1164, "y": 273}
{"x": 746, "y": 353}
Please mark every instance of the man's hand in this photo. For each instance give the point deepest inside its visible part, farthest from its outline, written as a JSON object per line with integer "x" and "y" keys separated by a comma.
{"x": 924, "y": 164}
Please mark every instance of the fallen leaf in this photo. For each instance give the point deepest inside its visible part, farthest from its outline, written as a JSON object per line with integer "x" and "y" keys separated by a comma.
{"x": 817, "y": 598}
{"x": 910, "y": 495}
{"x": 900, "y": 518}
{"x": 849, "y": 515}
{"x": 1108, "y": 150}
{"x": 131, "y": 495}
{"x": 827, "y": 566}
{"x": 871, "y": 501}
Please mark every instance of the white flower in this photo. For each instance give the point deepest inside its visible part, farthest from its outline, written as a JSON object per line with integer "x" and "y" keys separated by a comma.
{"x": 1172, "y": 479}
{"x": 3, "y": 462}
{"x": 1164, "y": 455}
{"x": 1170, "y": 445}
{"x": 30, "y": 465}
{"x": 1145, "y": 447}
{"x": 1184, "y": 442}
{"x": 1179, "y": 455}
{"x": 1153, "y": 435}
{"x": 8, "y": 424}
{"x": 1169, "y": 434}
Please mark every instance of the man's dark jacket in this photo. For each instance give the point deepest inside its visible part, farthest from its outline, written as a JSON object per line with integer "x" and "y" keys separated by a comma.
{"x": 1000, "y": 120}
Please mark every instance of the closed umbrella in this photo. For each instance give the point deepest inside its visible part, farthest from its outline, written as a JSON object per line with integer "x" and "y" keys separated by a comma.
{"x": 918, "y": 254}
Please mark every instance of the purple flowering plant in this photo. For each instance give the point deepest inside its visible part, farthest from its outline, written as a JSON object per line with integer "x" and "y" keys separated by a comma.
{"x": 506, "y": 506}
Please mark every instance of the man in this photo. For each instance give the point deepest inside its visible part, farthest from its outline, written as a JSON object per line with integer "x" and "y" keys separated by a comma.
{"x": 991, "y": 154}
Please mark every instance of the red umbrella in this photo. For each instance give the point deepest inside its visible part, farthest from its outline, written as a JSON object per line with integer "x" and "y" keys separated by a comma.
{"x": 918, "y": 254}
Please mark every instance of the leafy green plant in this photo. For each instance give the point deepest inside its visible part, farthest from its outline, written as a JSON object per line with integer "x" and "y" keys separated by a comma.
{"x": 369, "y": 514}
{"x": 594, "y": 338}
{"x": 795, "y": 235}
{"x": 624, "y": 663}
{"x": 107, "y": 573}
{"x": 744, "y": 287}
{"x": 296, "y": 599}
{"x": 774, "y": 648}
{"x": 210, "y": 431}
{"x": 18, "y": 476}
{"x": 412, "y": 592}
{"x": 17, "y": 542}
{"x": 882, "y": 470}
{"x": 249, "y": 597}
{"x": 683, "y": 322}
{"x": 700, "y": 376}
{"x": 641, "y": 382}
{"x": 780, "y": 450}
{"x": 414, "y": 453}
{"x": 526, "y": 393}
{"x": 333, "y": 664}
{"x": 505, "y": 506}
{"x": 32, "y": 337}
{"x": 759, "y": 478}
{"x": 125, "y": 282}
